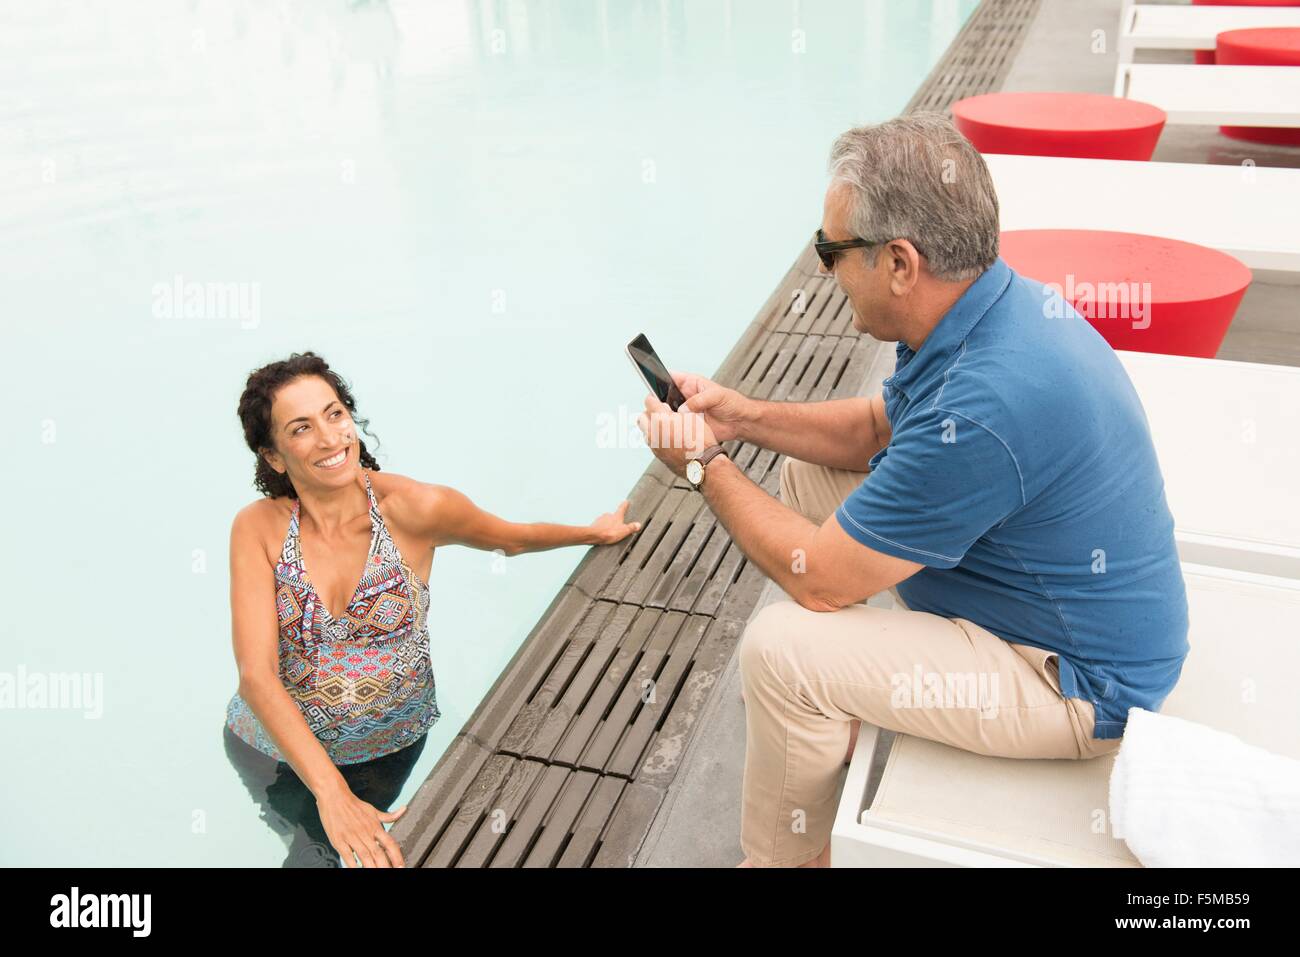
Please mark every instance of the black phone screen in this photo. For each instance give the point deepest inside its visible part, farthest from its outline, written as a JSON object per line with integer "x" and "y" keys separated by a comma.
{"x": 654, "y": 372}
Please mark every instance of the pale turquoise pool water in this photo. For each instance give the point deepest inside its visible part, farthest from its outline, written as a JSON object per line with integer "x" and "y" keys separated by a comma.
{"x": 467, "y": 208}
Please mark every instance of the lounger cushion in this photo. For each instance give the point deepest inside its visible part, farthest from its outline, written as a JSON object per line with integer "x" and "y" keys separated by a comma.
{"x": 1237, "y": 679}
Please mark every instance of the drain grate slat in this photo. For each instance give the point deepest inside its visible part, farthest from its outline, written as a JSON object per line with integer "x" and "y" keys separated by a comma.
{"x": 980, "y": 56}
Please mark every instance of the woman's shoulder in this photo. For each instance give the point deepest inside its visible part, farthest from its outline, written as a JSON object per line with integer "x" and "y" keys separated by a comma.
{"x": 263, "y": 523}
{"x": 264, "y": 512}
{"x": 406, "y": 501}
{"x": 392, "y": 489}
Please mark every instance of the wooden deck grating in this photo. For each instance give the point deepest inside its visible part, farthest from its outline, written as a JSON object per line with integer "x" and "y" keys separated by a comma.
{"x": 567, "y": 759}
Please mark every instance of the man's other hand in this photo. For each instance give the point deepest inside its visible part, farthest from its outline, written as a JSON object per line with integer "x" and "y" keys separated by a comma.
{"x": 725, "y": 410}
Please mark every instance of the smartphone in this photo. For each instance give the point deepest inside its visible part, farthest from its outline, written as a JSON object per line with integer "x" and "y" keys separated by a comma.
{"x": 654, "y": 373}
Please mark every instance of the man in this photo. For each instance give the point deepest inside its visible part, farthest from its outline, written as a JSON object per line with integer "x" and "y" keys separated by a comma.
{"x": 1003, "y": 484}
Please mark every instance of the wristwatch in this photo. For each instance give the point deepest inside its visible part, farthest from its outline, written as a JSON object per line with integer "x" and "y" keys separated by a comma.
{"x": 695, "y": 467}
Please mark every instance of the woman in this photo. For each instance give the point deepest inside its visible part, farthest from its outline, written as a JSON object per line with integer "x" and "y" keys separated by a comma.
{"x": 336, "y": 691}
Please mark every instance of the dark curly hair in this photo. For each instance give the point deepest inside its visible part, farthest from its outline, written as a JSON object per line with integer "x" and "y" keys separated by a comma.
{"x": 255, "y": 414}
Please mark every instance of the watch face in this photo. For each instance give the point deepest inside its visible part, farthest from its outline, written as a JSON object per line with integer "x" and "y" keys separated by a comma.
{"x": 694, "y": 471}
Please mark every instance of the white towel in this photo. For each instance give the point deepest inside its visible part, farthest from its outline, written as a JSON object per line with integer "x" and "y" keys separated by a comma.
{"x": 1185, "y": 795}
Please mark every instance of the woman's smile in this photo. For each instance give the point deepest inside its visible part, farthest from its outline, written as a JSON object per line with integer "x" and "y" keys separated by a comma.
{"x": 335, "y": 461}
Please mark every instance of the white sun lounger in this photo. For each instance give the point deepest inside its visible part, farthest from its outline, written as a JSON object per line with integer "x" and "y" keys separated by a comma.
{"x": 1249, "y": 212}
{"x": 940, "y": 806}
{"x": 1215, "y": 95}
{"x": 1145, "y": 26}
{"x": 1228, "y": 438}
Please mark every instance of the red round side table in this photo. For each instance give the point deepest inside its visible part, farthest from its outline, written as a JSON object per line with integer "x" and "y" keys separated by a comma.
{"x": 1207, "y": 56}
{"x": 1262, "y": 46}
{"x": 1060, "y": 124}
{"x": 1142, "y": 293}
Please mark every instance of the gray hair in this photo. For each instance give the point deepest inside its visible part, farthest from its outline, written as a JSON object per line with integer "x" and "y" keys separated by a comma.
{"x": 915, "y": 177}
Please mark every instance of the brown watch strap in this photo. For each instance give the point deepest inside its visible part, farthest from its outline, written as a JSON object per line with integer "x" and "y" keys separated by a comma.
{"x": 710, "y": 453}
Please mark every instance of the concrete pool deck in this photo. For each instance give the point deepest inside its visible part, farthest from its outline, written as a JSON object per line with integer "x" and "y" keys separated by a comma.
{"x": 616, "y": 735}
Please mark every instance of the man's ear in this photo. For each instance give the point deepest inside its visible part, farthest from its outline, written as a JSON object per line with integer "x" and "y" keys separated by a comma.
{"x": 904, "y": 266}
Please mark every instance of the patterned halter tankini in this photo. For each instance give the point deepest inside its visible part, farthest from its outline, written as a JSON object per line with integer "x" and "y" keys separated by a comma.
{"x": 363, "y": 682}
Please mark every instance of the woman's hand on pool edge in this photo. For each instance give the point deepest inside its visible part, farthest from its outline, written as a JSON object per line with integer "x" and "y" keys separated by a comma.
{"x": 356, "y": 830}
{"x": 613, "y": 527}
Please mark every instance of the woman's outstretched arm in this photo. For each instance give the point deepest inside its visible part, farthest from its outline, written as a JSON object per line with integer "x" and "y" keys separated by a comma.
{"x": 445, "y": 516}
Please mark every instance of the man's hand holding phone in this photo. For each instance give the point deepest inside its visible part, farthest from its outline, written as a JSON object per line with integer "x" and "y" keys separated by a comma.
{"x": 725, "y": 411}
{"x": 685, "y": 414}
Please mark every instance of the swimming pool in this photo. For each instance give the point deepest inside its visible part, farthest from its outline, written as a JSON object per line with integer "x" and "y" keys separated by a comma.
{"x": 467, "y": 208}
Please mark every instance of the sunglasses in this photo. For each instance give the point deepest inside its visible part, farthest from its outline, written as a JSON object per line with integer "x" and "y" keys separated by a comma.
{"x": 826, "y": 251}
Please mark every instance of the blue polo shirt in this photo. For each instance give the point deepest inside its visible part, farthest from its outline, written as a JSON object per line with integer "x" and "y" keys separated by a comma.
{"x": 1020, "y": 472}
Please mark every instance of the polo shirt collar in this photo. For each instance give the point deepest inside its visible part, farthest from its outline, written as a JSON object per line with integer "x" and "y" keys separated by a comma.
{"x": 953, "y": 328}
